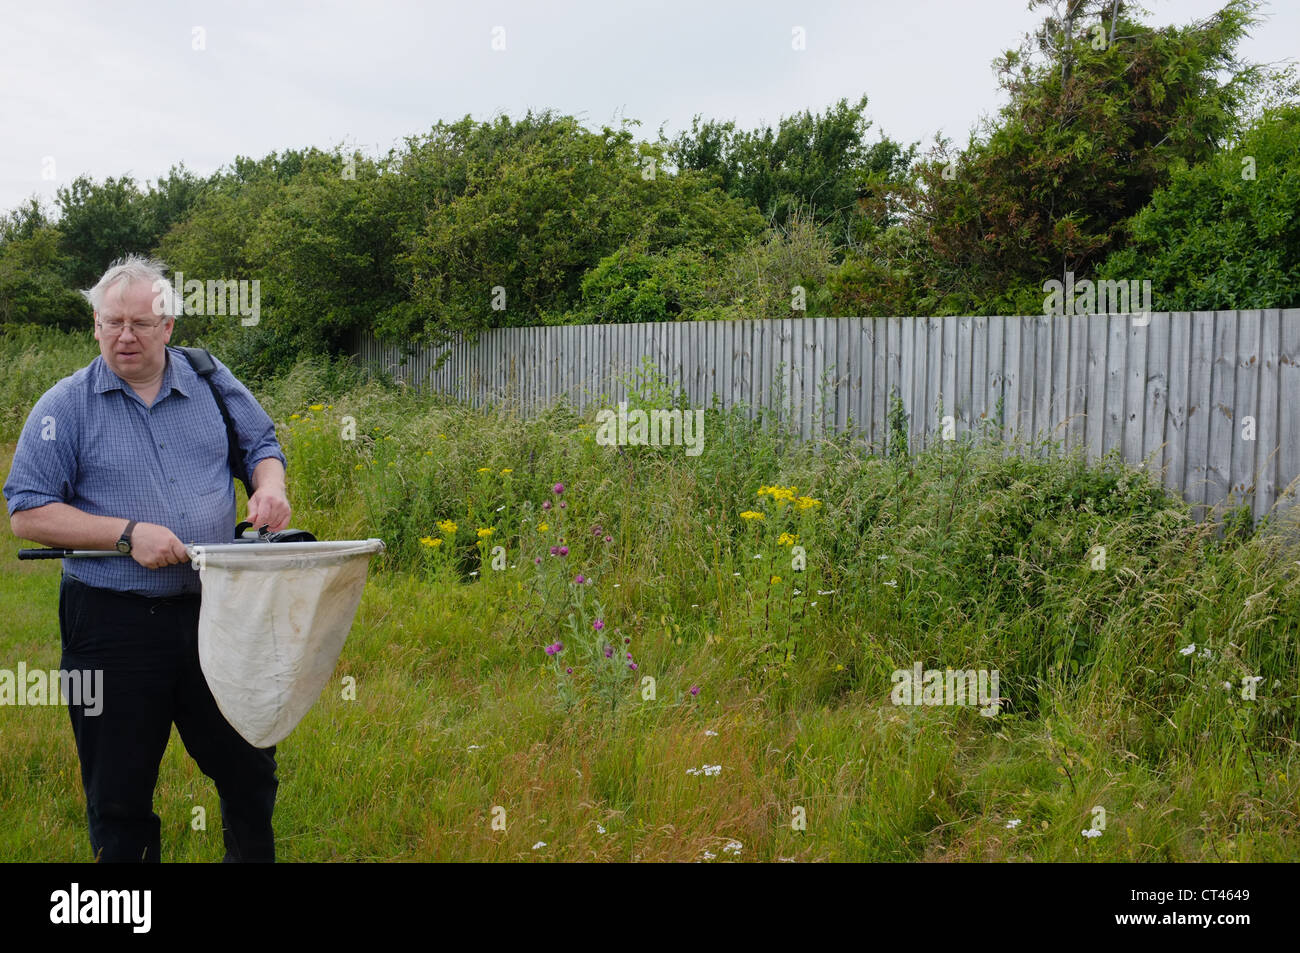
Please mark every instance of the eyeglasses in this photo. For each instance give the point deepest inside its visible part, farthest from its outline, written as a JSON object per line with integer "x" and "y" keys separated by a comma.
{"x": 118, "y": 325}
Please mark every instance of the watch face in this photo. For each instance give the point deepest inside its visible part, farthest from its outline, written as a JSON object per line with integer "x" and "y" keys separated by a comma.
{"x": 123, "y": 546}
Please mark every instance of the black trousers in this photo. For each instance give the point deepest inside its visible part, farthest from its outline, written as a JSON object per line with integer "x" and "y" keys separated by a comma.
{"x": 148, "y": 651}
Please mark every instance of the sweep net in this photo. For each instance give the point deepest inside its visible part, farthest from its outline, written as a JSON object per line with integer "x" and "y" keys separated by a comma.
{"x": 272, "y": 623}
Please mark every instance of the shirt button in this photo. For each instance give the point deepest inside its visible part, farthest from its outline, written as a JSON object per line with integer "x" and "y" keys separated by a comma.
{"x": 173, "y": 479}
{"x": 161, "y": 445}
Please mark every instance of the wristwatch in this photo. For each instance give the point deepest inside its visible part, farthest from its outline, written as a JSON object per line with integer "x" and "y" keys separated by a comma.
{"x": 124, "y": 543}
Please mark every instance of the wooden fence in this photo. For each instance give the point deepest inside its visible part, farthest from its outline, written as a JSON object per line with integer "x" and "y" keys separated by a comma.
{"x": 1211, "y": 399}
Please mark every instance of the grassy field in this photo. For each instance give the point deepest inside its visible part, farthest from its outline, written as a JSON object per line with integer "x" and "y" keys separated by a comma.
{"x": 769, "y": 590}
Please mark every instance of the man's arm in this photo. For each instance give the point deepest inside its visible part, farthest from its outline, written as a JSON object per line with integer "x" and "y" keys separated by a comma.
{"x": 66, "y": 527}
{"x": 269, "y": 503}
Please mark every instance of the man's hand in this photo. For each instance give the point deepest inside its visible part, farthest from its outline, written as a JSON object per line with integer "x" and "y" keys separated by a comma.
{"x": 269, "y": 505}
{"x": 154, "y": 546}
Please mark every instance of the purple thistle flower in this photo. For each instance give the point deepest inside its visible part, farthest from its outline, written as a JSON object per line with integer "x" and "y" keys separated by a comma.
{"x": 558, "y": 488}
{"x": 550, "y": 650}
{"x": 609, "y": 539}
{"x": 609, "y": 651}
{"x": 555, "y": 550}
{"x": 598, "y": 624}
{"x": 563, "y": 505}
{"x": 537, "y": 560}
{"x": 579, "y": 579}
{"x": 632, "y": 666}
{"x": 629, "y": 656}
{"x": 695, "y": 690}
{"x": 564, "y": 550}
{"x": 568, "y": 671}
{"x": 546, "y": 505}
{"x": 627, "y": 640}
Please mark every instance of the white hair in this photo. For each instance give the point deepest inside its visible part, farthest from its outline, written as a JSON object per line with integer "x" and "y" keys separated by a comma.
{"x": 129, "y": 270}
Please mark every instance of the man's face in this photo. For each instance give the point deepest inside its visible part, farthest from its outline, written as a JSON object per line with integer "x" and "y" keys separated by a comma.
{"x": 136, "y": 353}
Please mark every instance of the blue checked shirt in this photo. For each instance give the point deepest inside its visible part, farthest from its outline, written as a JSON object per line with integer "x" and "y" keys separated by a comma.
{"x": 91, "y": 442}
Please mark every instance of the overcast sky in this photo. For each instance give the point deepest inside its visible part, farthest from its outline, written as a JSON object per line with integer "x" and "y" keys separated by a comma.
{"x": 115, "y": 88}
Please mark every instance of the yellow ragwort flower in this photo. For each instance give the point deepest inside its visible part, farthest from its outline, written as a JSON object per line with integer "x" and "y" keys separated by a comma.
{"x": 295, "y": 416}
{"x": 785, "y": 539}
{"x": 316, "y": 407}
{"x": 448, "y": 527}
{"x": 543, "y": 527}
{"x": 751, "y": 515}
{"x": 484, "y": 469}
{"x": 359, "y": 467}
{"x": 483, "y": 533}
{"x": 430, "y": 541}
{"x": 775, "y": 580}
{"x": 507, "y": 470}
{"x": 807, "y": 502}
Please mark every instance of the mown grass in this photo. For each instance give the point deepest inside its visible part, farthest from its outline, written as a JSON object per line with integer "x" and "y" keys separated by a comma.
{"x": 963, "y": 557}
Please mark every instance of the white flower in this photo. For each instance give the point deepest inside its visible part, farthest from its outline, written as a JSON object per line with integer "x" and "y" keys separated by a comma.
{"x": 1013, "y": 823}
{"x": 826, "y": 592}
{"x": 600, "y": 829}
{"x": 1205, "y": 652}
{"x": 473, "y": 747}
{"x": 474, "y": 573}
{"x": 758, "y": 555}
{"x": 695, "y": 605}
{"x": 692, "y": 770}
{"x": 712, "y": 769}
{"x": 735, "y": 574}
{"x": 732, "y": 847}
{"x": 798, "y": 592}
{"x": 708, "y": 855}
{"x": 710, "y": 733}
{"x": 616, "y": 585}
{"x": 1228, "y": 685}
{"x": 540, "y": 844}
{"x": 500, "y": 508}
{"x": 1187, "y": 649}
{"x": 881, "y": 558}
{"x": 811, "y": 604}
{"x": 1092, "y": 832}
{"x": 892, "y": 582}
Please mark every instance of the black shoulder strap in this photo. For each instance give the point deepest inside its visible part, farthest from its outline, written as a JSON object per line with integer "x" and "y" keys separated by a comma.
{"x": 203, "y": 365}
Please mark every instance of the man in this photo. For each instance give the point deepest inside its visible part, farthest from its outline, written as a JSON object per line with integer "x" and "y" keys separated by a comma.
{"x": 131, "y": 453}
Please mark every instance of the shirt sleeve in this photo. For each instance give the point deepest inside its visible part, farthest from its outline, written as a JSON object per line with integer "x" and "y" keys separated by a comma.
{"x": 44, "y": 467}
{"x": 253, "y": 425}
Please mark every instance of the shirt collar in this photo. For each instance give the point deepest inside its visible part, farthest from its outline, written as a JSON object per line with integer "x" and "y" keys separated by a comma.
{"x": 103, "y": 379}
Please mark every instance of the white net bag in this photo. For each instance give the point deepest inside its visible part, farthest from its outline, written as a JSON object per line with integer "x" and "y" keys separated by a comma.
{"x": 272, "y": 623}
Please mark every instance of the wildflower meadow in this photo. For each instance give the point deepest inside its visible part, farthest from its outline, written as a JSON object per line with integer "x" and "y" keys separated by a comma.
{"x": 578, "y": 651}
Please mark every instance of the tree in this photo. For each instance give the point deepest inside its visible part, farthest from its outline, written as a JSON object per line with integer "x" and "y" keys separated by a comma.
{"x": 1224, "y": 234}
{"x": 1091, "y": 129}
{"x": 819, "y": 164}
{"x": 99, "y": 223}
{"x": 538, "y": 213}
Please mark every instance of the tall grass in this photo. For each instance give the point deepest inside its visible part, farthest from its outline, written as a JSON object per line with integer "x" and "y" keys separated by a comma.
{"x": 788, "y": 621}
